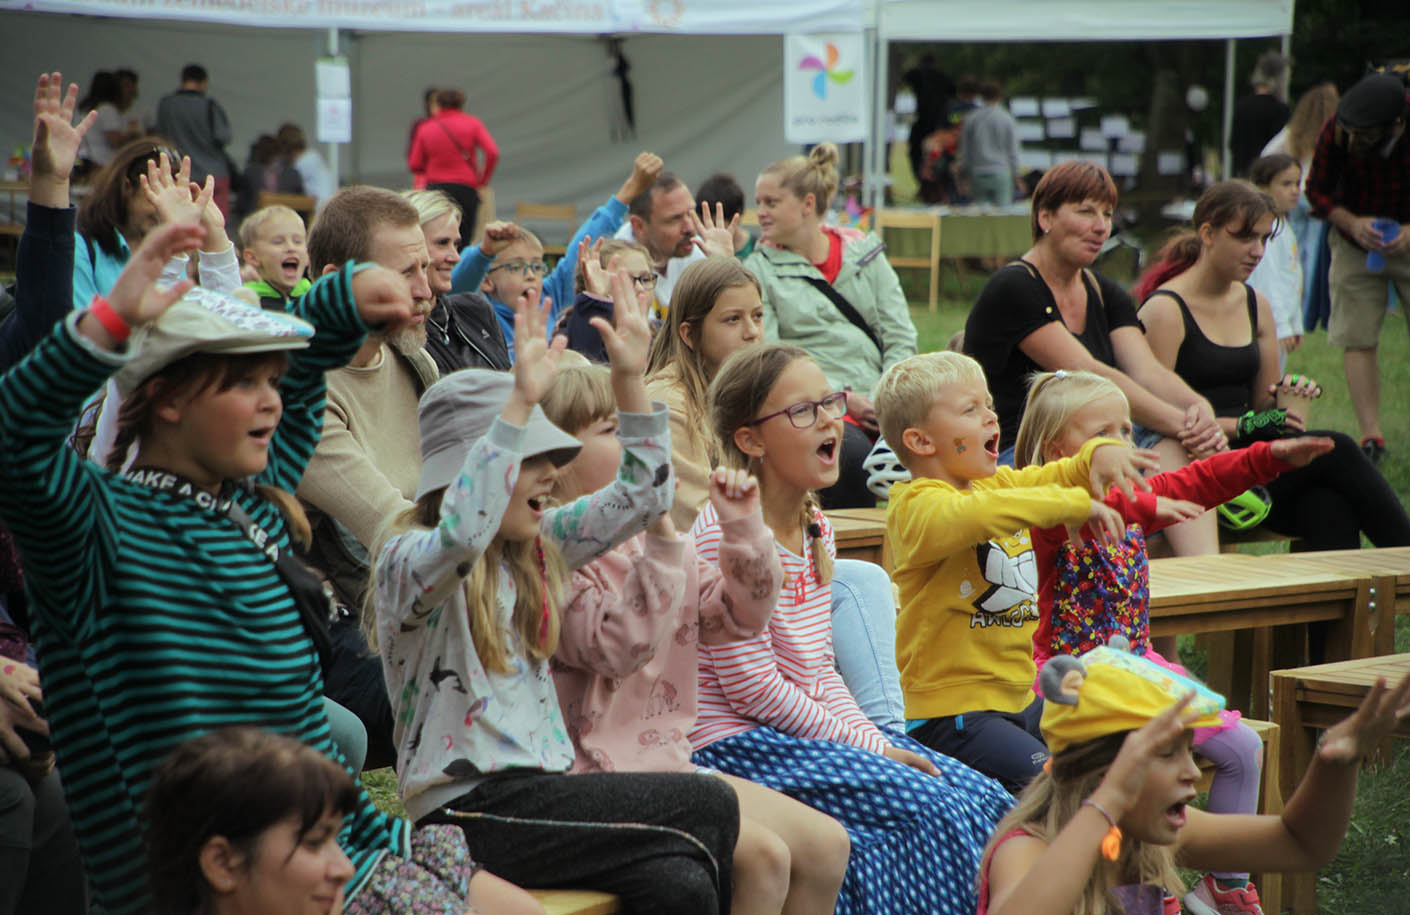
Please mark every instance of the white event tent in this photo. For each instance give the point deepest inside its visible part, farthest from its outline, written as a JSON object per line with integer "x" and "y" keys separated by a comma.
{"x": 707, "y": 75}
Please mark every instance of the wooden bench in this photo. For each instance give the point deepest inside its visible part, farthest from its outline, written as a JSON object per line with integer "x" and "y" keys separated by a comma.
{"x": 860, "y": 533}
{"x": 927, "y": 220}
{"x": 1236, "y": 591}
{"x": 1306, "y": 699}
{"x": 577, "y": 902}
{"x": 564, "y": 213}
{"x": 1270, "y": 801}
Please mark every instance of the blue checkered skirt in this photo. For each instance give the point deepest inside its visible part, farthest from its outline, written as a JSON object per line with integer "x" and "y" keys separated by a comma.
{"x": 916, "y": 839}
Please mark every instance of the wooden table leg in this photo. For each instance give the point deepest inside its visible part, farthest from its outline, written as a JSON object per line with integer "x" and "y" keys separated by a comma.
{"x": 1295, "y": 755}
{"x": 1270, "y": 883}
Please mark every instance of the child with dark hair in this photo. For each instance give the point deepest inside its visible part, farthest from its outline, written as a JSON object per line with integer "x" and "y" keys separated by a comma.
{"x": 243, "y": 819}
{"x": 721, "y": 194}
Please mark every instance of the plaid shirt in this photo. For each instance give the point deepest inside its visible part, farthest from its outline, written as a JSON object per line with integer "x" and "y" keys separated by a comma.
{"x": 1372, "y": 185}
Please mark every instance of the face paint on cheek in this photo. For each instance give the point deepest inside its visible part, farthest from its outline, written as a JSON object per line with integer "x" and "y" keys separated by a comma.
{"x": 960, "y": 446}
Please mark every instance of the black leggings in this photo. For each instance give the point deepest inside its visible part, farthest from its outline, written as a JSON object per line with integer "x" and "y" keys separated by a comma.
{"x": 469, "y": 200}
{"x": 662, "y": 842}
{"x": 1331, "y": 501}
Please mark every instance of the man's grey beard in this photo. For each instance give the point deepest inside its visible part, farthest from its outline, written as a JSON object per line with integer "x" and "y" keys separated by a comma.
{"x": 408, "y": 340}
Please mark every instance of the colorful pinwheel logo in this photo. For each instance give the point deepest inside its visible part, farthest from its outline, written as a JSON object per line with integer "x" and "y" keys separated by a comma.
{"x": 826, "y": 71}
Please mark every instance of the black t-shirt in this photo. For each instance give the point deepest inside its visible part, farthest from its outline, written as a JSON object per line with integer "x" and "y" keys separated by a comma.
{"x": 1015, "y": 303}
{"x": 1256, "y": 119}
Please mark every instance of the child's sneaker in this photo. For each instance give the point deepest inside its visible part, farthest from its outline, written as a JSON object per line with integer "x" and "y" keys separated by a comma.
{"x": 1208, "y": 898}
{"x": 1374, "y": 448}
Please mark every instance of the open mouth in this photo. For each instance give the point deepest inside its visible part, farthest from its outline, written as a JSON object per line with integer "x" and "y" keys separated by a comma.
{"x": 1175, "y": 814}
{"x": 827, "y": 451}
{"x": 291, "y": 266}
{"x": 537, "y": 504}
{"x": 262, "y": 435}
{"x": 991, "y": 446}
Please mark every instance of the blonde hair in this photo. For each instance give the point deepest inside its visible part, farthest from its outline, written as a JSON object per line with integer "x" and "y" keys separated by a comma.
{"x": 1317, "y": 106}
{"x": 254, "y": 223}
{"x": 1052, "y": 399}
{"x": 609, "y": 247}
{"x": 539, "y": 575}
{"x": 579, "y": 396}
{"x": 736, "y": 395}
{"x": 699, "y": 287}
{"x": 1053, "y": 798}
{"x": 432, "y": 205}
{"x": 815, "y": 173}
{"x": 909, "y": 390}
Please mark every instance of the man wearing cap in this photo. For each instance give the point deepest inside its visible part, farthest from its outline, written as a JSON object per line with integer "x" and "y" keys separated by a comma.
{"x": 365, "y": 469}
{"x": 1360, "y": 183}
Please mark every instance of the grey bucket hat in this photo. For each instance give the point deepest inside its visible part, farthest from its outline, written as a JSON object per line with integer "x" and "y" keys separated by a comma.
{"x": 459, "y": 409}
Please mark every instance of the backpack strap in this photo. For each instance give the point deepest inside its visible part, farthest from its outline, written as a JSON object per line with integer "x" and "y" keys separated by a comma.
{"x": 848, "y": 310}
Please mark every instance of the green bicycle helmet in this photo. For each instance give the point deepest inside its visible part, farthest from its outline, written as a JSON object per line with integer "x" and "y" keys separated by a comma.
{"x": 1246, "y": 510}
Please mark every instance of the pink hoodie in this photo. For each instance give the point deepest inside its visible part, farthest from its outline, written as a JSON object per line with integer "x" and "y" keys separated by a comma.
{"x": 626, "y": 667}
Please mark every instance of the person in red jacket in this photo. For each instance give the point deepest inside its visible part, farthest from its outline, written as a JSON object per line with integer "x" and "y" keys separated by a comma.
{"x": 456, "y": 154}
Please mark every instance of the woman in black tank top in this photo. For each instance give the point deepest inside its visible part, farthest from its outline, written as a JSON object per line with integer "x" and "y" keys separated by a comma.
{"x": 1217, "y": 333}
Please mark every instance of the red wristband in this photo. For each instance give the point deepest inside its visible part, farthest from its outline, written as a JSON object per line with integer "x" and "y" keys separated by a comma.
{"x": 103, "y": 313}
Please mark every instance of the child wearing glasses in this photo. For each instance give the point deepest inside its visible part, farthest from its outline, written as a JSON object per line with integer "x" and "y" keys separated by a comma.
{"x": 963, "y": 559}
{"x": 507, "y": 265}
{"x": 773, "y": 709}
{"x": 594, "y": 297}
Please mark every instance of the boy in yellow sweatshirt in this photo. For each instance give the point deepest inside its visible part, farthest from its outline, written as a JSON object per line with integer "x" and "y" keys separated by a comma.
{"x": 963, "y": 561}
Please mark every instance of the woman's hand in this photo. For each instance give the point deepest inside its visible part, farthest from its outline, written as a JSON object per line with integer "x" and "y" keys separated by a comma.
{"x": 19, "y": 683}
{"x": 1118, "y": 465}
{"x": 1372, "y": 722}
{"x": 1106, "y": 524}
{"x": 1121, "y": 787}
{"x": 595, "y": 279}
{"x": 914, "y": 760}
{"x": 1202, "y": 435}
{"x": 383, "y": 300}
{"x": 535, "y": 359}
{"x": 862, "y": 410}
{"x": 627, "y": 339}
{"x": 714, "y": 236}
{"x": 1296, "y": 386}
{"x": 1301, "y": 451}
{"x": 56, "y": 140}
{"x": 1173, "y": 511}
{"x": 734, "y": 493}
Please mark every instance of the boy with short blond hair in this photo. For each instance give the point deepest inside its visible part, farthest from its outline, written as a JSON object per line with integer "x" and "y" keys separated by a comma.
{"x": 962, "y": 560}
{"x": 274, "y": 244}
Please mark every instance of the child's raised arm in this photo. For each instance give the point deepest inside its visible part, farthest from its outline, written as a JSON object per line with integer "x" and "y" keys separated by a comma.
{"x": 1311, "y": 827}
{"x": 628, "y": 344}
{"x": 738, "y": 595}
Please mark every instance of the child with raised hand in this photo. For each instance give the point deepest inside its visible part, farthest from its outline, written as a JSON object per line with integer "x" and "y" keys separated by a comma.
{"x": 628, "y": 657}
{"x": 1089, "y": 592}
{"x": 161, "y": 603}
{"x": 507, "y": 265}
{"x": 963, "y": 563}
{"x": 1103, "y": 828}
{"x": 468, "y": 597}
{"x": 593, "y": 295}
{"x": 774, "y": 710}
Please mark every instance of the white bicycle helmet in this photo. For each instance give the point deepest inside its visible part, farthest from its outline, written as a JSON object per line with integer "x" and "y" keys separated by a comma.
{"x": 883, "y": 469}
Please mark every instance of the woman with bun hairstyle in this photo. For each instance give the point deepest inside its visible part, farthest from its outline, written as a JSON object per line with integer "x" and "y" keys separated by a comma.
{"x": 831, "y": 291}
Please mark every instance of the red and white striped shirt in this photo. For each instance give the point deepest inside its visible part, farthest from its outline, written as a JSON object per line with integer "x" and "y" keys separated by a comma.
{"x": 786, "y": 677}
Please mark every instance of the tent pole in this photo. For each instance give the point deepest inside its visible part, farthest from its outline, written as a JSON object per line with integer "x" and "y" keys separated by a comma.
{"x": 1226, "y": 160}
{"x": 333, "y": 147}
{"x": 877, "y": 163}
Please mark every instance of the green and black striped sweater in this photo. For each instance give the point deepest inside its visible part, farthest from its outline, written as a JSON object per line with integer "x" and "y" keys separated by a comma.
{"x": 157, "y": 620}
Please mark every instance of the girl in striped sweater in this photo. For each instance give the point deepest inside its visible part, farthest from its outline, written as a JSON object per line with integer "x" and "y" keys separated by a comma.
{"x": 774, "y": 710}
{"x": 160, "y": 607}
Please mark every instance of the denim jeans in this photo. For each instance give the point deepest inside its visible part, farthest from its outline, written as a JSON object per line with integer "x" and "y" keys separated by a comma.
{"x": 864, "y": 639}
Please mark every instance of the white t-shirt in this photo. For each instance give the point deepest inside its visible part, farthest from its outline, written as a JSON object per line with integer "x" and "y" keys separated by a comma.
{"x": 1279, "y": 277}
{"x": 96, "y": 147}
{"x": 674, "y": 268}
{"x": 316, "y": 176}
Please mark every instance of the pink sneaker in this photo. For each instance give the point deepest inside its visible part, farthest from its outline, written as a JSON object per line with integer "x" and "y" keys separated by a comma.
{"x": 1208, "y": 898}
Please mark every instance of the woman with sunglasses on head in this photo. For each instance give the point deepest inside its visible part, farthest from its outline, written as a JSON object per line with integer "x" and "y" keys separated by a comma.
{"x": 136, "y": 192}
{"x": 773, "y": 709}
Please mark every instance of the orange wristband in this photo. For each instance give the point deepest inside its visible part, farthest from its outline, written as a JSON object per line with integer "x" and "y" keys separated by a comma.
{"x": 103, "y": 313}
